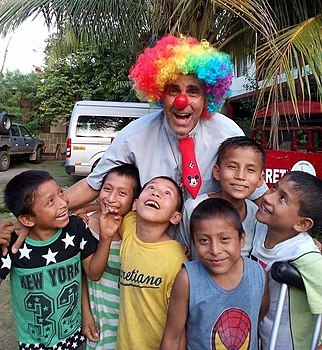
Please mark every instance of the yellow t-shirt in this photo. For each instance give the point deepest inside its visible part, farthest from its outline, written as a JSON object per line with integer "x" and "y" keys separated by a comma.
{"x": 147, "y": 274}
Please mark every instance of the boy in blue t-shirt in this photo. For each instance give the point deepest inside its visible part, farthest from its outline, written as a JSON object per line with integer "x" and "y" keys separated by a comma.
{"x": 217, "y": 299}
{"x": 46, "y": 272}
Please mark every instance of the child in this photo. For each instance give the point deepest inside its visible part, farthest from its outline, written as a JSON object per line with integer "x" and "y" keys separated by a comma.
{"x": 217, "y": 297}
{"x": 290, "y": 209}
{"x": 150, "y": 260}
{"x": 239, "y": 170}
{"x": 45, "y": 274}
{"x": 121, "y": 185}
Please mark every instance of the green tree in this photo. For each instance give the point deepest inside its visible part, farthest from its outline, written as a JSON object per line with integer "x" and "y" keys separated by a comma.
{"x": 282, "y": 37}
{"x": 18, "y": 96}
{"x": 85, "y": 75}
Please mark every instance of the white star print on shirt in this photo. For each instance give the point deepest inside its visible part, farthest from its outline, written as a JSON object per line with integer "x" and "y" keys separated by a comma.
{"x": 6, "y": 262}
{"x": 50, "y": 256}
{"x": 82, "y": 244}
{"x": 86, "y": 225}
{"x": 68, "y": 240}
{"x": 24, "y": 252}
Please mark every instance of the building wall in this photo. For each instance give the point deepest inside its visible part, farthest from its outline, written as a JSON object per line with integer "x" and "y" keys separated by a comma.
{"x": 55, "y": 140}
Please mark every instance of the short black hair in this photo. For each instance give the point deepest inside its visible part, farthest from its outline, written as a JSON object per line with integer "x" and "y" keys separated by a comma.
{"x": 178, "y": 188}
{"x": 216, "y": 208}
{"x": 240, "y": 142}
{"x": 130, "y": 171}
{"x": 309, "y": 190}
{"x": 20, "y": 192}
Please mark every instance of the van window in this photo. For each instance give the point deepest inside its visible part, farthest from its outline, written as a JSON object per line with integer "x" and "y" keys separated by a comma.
{"x": 100, "y": 126}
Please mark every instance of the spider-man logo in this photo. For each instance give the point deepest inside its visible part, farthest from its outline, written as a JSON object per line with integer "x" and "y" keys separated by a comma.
{"x": 231, "y": 331}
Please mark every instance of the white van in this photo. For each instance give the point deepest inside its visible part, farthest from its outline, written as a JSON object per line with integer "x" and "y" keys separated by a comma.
{"x": 92, "y": 128}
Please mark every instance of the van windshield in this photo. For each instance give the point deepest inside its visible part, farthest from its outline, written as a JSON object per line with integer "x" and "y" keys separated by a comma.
{"x": 101, "y": 126}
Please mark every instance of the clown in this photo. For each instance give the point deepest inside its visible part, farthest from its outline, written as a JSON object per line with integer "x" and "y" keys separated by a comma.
{"x": 190, "y": 80}
{"x": 173, "y": 57}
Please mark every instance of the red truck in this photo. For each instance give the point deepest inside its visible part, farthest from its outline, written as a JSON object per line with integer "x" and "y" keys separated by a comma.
{"x": 299, "y": 147}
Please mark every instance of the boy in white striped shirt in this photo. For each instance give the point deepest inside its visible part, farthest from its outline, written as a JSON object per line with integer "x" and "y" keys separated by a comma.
{"x": 100, "y": 303}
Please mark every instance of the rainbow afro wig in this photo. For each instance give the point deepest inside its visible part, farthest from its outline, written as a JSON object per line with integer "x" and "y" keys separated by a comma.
{"x": 171, "y": 56}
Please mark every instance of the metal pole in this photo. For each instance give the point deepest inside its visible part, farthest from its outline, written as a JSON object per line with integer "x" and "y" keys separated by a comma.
{"x": 316, "y": 332}
{"x": 278, "y": 315}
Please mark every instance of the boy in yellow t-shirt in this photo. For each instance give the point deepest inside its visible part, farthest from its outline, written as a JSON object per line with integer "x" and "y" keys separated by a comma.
{"x": 150, "y": 261}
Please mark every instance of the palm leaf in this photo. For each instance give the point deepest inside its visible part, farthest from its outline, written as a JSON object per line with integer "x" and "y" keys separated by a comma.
{"x": 292, "y": 57}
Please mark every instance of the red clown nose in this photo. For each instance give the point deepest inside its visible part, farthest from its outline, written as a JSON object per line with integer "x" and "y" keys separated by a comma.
{"x": 181, "y": 101}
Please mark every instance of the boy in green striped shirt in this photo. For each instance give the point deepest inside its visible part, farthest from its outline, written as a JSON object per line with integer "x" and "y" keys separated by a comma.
{"x": 100, "y": 303}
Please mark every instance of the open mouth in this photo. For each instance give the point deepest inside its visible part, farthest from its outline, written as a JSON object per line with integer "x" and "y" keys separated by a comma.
{"x": 111, "y": 207}
{"x": 63, "y": 214}
{"x": 182, "y": 116}
{"x": 152, "y": 204}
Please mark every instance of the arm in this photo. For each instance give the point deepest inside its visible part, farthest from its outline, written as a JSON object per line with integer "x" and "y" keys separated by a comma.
{"x": 6, "y": 230}
{"x": 89, "y": 328}
{"x": 82, "y": 212}
{"x": 80, "y": 193}
{"x": 174, "y": 331}
{"x": 87, "y": 208}
{"x": 265, "y": 301}
{"x": 95, "y": 264}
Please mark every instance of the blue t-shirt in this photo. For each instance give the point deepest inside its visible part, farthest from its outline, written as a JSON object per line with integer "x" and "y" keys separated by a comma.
{"x": 224, "y": 319}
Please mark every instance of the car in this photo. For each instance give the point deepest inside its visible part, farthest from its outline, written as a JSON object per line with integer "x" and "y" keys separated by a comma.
{"x": 17, "y": 141}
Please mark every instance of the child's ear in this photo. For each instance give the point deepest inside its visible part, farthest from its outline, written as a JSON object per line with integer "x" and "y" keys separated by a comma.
{"x": 175, "y": 219}
{"x": 216, "y": 172}
{"x": 261, "y": 179}
{"x": 134, "y": 204}
{"x": 26, "y": 220}
{"x": 303, "y": 225}
{"x": 243, "y": 240}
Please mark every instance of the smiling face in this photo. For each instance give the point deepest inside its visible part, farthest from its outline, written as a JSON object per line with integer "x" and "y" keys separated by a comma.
{"x": 218, "y": 245}
{"x": 117, "y": 193}
{"x": 182, "y": 121}
{"x": 239, "y": 172}
{"x": 280, "y": 207}
{"x": 50, "y": 208}
{"x": 158, "y": 202}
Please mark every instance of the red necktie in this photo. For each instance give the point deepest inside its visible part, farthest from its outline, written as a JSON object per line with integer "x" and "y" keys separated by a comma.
{"x": 191, "y": 177}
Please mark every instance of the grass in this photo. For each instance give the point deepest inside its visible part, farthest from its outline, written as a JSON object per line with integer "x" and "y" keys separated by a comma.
{"x": 8, "y": 339}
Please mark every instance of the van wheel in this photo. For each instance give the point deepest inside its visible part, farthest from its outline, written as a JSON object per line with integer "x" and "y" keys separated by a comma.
{"x": 38, "y": 158}
{"x": 4, "y": 160}
{"x": 5, "y": 123}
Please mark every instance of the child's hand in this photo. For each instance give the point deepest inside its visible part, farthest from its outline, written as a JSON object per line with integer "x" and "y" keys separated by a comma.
{"x": 6, "y": 230}
{"x": 82, "y": 212}
{"x": 89, "y": 328}
{"x": 22, "y": 232}
{"x": 83, "y": 216}
{"x": 109, "y": 224}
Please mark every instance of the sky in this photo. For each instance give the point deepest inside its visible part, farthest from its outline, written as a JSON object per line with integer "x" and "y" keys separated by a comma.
{"x": 26, "y": 46}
